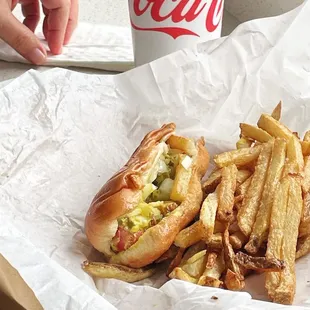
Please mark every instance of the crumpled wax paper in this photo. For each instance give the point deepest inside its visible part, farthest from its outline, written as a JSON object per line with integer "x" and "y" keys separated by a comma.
{"x": 95, "y": 46}
{"x": 63, "y": 134}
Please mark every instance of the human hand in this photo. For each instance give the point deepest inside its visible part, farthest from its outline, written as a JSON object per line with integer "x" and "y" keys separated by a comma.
{"x": 59, "y": 23}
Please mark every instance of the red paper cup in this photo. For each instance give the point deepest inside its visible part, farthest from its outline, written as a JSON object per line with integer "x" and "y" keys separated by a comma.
{"x": 161, "y": 27}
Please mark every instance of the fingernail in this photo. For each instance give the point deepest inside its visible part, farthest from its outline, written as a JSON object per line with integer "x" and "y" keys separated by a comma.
{"x": 36, "y": 56}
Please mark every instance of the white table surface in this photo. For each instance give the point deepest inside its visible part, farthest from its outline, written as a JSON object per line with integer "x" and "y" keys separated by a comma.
{"x": 115, "y": 12}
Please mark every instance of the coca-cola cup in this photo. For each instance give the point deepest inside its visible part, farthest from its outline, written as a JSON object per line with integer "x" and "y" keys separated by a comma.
{"x": 161, "y": 27}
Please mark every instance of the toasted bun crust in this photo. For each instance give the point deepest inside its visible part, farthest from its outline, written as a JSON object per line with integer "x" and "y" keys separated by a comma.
{"x": 122, "y": 193}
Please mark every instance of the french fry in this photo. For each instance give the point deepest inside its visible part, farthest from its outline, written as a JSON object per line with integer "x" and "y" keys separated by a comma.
{"x": 259, "y": 263}
{"x": 243, "y": 143}
{"x": 181, "y": 181}
{"x": 294, "y": 154}
{"x": 244, "y": 187}
{"x": 277, "y": 222}
{"x": 233, "y": 227}
{"x": 176, "y": 261}
{"x": 307, "y": 136}
{"x": 262, "y": 221}
{"x": 191, "y": 251}
{"x": 211, "y": 258}
{"x": 237, "y": 240}
{"x": 189, "y": 235}
{"x": 306, "y": 179}
{"x": 242, "y": 176}
{"x": 240, "y": 157}
{"x": 209, "y": 186}
{"x": 216, "y": 242}
{"x": 113, "y": 271}
{"x": 255, "y": 133}
{"x": 248, "y": 211}
{"x": 233, "y": 282}
{"x": 305, "y": 147}
{"x": 304, "y": 227}
{"x": 195, "y": 266}
{"x": 219, "y": 227}
{"x": 226, "y": 191}
{"x": 212, "y": 274}
{"x": 234, "y": 279}
{"x": 180, "y": 274}
{"x": 207, "y": 216}
{"x": 184, "y": 144}
{"x": 303, "y": 246}
{"x": 274, "y": 127}
{"x": 285, "y": 292}
{"x": 276, "y": 113}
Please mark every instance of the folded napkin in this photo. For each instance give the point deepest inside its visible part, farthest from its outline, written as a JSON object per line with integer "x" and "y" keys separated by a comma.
{"x": 103, "y": 47}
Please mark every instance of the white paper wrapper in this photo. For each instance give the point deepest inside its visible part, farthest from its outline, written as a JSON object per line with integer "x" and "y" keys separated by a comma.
{"x": 59, "y": 144}
{"x": 103, "y": 47}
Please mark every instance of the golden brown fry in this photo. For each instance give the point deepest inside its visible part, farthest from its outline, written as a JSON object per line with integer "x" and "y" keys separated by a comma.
{"x": 252, "y": 196}
{"x": 180, "y": 274}
{"x": 243, "y": 143}
{"x": 255, "y": 133}
{"x": 181, "y": 181}
{"x": 195, "y": 266}
{"x": 244, "y": 187}
{"x": 262, "y": 221}
{"x": 285, "y": 292}
{"x": 242, "y": 176}
{"x": 216, "y": 241}
{"x": 306, "y": 179}
{"x": 305, "y": 146}
{"x": 304, "y": 227}
{"x": 176, "y": 261}
{"x": 237, "y": 240}
{"x": 113, "y": 271}
{"x": 211, "y": 259}
{"x": 276, "y": 113}
{"x": 207, "y": 216}
{"x": 233, "y": 227}
{"x": 274, "y": 127}
{"x": 240, "y": 157}
{"x": 307, "y": 136}
{"x": 234, "y": 280}
{"x": 294, "y": 154}
{"x": 226, "y": 192}
{"x": 170, "y": 254}
{"x": 303, "y": 246}
{"x": 212, "y": 274}
{"x": 184, "y": 144}
{"x": 191, "y": 251}
{"x": 209, "y": 186}
{"x": 277, "y": 222}
{"x": 219, "y": 227}
{"x": 259, "y": 263}
{"x": 189, "y": 236}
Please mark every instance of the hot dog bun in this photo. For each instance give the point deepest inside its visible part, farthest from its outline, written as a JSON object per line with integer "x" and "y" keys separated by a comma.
{"x": 123, "y": 192}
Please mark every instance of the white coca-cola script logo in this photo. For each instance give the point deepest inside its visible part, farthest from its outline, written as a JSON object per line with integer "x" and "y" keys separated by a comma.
{"x": 181, "y": 11}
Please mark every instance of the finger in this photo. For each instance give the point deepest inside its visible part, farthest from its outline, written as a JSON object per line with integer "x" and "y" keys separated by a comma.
{"x": 22, "y": 39}
{"x": 73, "y": 19}
{"x": 58, "y": 16}
{"x": 31, "y": 12}
{"x": 45, "y": 22}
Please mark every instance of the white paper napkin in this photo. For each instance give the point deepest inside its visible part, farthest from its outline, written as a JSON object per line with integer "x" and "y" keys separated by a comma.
{"x": 95, "y": 46}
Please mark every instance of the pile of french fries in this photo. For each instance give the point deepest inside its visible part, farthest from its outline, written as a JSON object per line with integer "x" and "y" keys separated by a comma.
{"x": 255, "y": 216}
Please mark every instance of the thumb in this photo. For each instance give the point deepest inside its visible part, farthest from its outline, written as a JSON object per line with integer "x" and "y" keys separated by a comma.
{"x": 21, "y": 38}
